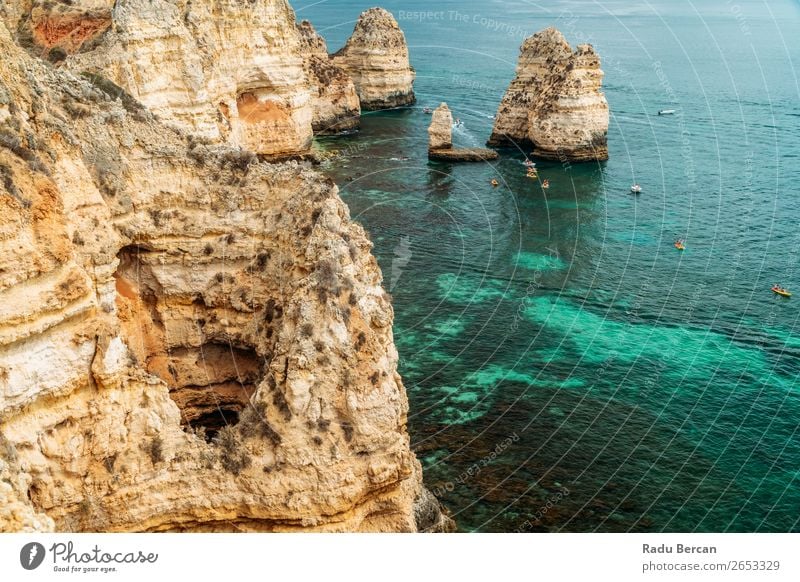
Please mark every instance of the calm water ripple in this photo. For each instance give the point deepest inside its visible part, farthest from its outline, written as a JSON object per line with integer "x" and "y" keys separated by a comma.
{"x": 554, "y": 344}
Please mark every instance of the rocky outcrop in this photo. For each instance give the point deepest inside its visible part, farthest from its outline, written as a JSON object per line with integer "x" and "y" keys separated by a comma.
{"x": 453, "y": 155}
{"x": 228, "y": 71}
{"x": 555, "y": 103}
{"x": 440, "y": 141}
{"x": 440, "y": 132}
{"x": 376, "y": 57}
{"x": 16, "y": 512}
{"x": 336, "y": 105}
{"x": 57, "y": 29}
{"x": 430, "y": 516}
{"x": 190, "y": 339}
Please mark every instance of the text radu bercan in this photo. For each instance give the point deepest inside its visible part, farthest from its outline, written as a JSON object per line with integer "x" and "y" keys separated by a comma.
{"x": 677, "y": 549}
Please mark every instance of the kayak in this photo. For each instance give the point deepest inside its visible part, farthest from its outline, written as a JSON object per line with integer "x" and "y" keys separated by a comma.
{"x": 781, "y": 292}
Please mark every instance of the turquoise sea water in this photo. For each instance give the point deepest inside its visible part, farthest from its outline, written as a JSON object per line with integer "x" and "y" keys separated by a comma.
{"x": 568, "y": 369}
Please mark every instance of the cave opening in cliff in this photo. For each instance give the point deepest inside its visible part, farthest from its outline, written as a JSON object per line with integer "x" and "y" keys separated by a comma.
{"x": 211, "y": 384}
{"x": 178, "y": 338}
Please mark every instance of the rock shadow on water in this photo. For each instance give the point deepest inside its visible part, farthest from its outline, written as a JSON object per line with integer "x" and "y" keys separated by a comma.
{"x": 440, "y": 181}
{"x": 549, "y": 460}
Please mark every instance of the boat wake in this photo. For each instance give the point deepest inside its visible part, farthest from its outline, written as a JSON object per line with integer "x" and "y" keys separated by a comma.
{"x": 466, "y": 137}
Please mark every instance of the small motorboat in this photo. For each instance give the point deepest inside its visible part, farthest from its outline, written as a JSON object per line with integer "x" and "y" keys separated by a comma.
{"x": 427, "y": 110}
{"x": 778, "y": 290}
{"x": 529, "y": 163}
{"x": 546, "y": 184}
{"x": 495, "y": 183}
{"x": 667, "y": 112}
{"x": 680, "y": 245}
{"x": 636, "y": 189}
{"x": 532, "y": 174}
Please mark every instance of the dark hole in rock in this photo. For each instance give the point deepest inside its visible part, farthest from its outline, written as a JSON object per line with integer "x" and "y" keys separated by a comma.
{"x": 212, "y": 382}
{"x": 215, "y": 420}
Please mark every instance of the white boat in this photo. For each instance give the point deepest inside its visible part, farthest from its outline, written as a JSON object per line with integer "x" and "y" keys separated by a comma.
{"x": 636, "y": 189}
{"x": 667, "y": 112}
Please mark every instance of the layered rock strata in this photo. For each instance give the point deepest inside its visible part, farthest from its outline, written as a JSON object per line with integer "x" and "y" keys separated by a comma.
{"x": 227, "y": 71}
{"x": 190, "y": 339}
{"x": 376, "y": 57}
{"x": 440, "y": 141}
{"x": 555, "y": 103}
{"x": 336, "y": 105}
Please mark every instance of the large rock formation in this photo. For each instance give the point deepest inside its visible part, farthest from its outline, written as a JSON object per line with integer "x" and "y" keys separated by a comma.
{"x": 440, "y": 141}
{"x": 190, "y": 339}
{"x": 440, "y": 132}
{"x": 376, "y": 57}
{"x": 555, "y": 103}
{"x": 336, "y": 105}
{"x": 227, "y": 70}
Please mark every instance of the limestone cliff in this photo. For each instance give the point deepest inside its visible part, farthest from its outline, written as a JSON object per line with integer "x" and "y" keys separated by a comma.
{"x": 190, "y": 339}
{"x": 336, "y": 105}
{"x": 555, "y": 103}
{"x": 227, "y": 70}
{"x": 376, "y": 57}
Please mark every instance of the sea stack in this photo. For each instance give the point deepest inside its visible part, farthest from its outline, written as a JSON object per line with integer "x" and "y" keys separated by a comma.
{"x": 440, "y": 141}
{"x": 376, "y": 57}
{"x": 555, "y": 103}
{"x": 441, "y": 130}
{"x": 333, "y": 94}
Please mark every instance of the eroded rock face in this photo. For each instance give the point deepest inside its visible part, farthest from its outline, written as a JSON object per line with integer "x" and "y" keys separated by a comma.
{"x": 376, "y": 57}
{"x": 555, "y": 103}
{"x": 228, "y": 70}
{"x": 440, "y": 132}
{"x": 336, "y": 105}
{"x": 440, "y": 141}
{"x": 190, "y": 339}
{"x": 54, "y": 29}
{"x": 62, "y": 28}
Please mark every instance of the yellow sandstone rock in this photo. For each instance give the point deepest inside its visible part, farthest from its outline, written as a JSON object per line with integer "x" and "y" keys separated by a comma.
{"x": 336, "y": 105}
{"x": 190, "y": 339}
{"x": 376, "y": 57}
{"x": 555, "y": 103}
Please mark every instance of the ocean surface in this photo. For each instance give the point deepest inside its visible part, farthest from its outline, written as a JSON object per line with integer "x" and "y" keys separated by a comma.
{"x": 567, "y": 368}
